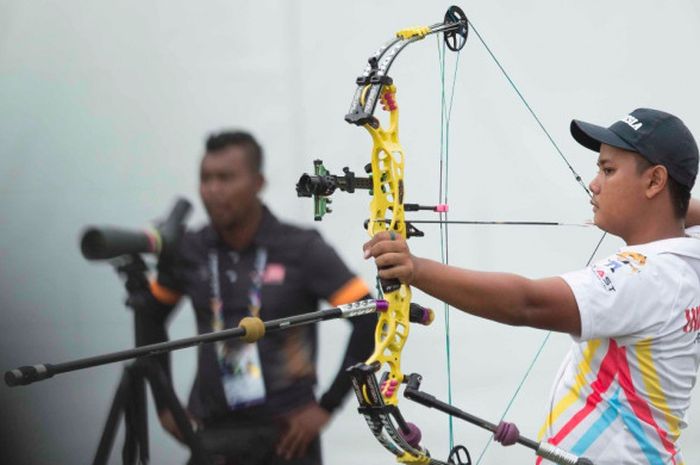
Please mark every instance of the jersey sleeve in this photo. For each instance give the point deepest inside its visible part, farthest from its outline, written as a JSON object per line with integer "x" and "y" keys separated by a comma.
{"x": 625, "y": 297}
{"x": 327, "y": 276}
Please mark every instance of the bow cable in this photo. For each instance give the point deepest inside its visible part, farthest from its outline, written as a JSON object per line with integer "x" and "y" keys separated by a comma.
{"x": 578, "y": 179}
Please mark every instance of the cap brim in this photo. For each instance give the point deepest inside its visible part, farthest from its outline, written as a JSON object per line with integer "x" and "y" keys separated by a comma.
{"x": 591, "y": 136}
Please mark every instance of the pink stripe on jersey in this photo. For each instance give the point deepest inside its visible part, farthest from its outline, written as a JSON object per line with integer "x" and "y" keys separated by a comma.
{"x": 605, "y": 377}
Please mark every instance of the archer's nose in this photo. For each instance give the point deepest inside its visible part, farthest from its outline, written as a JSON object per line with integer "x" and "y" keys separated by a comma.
{"x": 594, "y": 186}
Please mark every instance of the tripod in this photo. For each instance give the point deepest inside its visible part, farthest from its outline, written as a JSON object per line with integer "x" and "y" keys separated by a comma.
{"x": 130, "y": 398}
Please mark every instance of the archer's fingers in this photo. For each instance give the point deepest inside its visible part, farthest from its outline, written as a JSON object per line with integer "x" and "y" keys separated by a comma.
{"x": 383, "y": 243}
{"x": 402, "y": 273}
{"x": 391, "y": 259}
{"x": 379, "y": 237}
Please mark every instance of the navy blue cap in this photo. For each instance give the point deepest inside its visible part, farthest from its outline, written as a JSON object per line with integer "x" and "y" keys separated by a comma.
{"x": 659, "y": 137}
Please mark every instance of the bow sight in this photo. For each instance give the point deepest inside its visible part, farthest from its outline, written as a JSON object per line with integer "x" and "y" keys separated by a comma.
{"x": 322, "y": 184}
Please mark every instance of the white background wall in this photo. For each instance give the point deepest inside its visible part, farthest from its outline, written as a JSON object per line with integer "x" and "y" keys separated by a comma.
{"x": 104, "y": 108}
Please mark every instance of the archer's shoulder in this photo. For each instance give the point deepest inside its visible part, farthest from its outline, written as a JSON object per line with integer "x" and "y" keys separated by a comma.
{"x": 653, "y": 265}
{"x": 630, "y": 269}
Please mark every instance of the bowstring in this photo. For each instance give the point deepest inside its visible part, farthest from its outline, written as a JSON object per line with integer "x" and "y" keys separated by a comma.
{"x": 578, "y": 179}
{"x": 443, "y": 187}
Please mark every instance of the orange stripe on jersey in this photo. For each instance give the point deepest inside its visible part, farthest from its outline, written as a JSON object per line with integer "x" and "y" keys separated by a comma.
{"x": 350, "y": 292}
{"x": 163, "y": 294}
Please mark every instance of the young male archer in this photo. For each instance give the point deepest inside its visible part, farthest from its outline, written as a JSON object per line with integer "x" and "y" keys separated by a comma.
{"x": 622, "y": 392}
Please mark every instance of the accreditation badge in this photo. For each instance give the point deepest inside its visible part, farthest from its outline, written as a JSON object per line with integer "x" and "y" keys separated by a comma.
{"x": 242, "y": 379}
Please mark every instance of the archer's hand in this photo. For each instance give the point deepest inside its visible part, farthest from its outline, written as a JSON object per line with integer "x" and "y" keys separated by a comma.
{"x": 299, "y": 428}
{"x": 167, "y": 421}
{"x": 392, "y": 257}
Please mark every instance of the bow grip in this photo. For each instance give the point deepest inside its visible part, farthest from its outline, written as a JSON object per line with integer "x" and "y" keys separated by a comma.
{"x": 389, "y": 285}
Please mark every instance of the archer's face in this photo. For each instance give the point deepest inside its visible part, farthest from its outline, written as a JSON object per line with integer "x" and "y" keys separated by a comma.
{"x": 618, "y": 191}
{"x": 228, "y": 186}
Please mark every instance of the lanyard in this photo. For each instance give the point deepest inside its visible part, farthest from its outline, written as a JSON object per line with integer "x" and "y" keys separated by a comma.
{"x": 254, "y": 293}
{"x": 240, "y": 364}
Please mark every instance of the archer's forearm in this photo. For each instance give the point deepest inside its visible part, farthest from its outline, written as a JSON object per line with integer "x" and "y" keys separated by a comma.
{"x": 503, "y": 297}
{"x": 496, "y": 296}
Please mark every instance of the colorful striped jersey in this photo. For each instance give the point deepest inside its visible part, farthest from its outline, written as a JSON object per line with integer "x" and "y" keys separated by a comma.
{"x": 622, "y": 392}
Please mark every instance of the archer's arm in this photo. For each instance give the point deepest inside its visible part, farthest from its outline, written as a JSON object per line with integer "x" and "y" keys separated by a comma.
{"x": 545, "y": 303}
{"x": 692, "y": 218}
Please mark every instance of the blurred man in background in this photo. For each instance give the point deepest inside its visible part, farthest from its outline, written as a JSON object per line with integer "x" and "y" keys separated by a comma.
{"x": 254, "y": 403}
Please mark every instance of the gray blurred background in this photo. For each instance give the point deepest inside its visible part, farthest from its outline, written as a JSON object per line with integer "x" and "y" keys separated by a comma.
{"x": 104, "y": 108}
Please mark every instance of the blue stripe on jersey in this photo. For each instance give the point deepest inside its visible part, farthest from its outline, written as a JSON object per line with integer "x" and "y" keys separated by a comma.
{"x": 635, "y": 427}
{"x": 599, "y": 427}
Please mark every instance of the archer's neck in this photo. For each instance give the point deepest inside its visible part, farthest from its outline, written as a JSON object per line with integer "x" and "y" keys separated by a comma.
{"x": 656, "y": 227}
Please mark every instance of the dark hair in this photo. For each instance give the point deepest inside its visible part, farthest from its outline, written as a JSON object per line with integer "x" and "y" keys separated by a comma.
{"x": 219, "y": 141}
{"x": 680, "y": 194}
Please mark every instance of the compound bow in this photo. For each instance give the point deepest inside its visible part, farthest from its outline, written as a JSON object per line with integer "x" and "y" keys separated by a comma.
{"x": 385, "y": 182}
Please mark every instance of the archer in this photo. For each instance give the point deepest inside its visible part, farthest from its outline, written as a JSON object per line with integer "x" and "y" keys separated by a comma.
{"x": 623, "y": 390}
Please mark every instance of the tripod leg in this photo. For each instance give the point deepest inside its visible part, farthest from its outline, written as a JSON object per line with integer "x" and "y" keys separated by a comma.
{"x": 141, "y": 417}
{"x": 131, "y": 440}
{"x": 121, "y": 398}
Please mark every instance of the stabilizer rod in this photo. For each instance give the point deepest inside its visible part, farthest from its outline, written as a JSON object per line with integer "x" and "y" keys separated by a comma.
{"x": 543, "y": 449}
{"x": 250, "y": 332}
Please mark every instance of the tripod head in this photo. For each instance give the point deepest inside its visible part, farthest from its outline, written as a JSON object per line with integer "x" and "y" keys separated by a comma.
{"x": 132, "y": 269}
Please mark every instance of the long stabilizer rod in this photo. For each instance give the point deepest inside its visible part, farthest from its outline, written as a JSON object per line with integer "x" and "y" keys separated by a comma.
{"x": 250, "y": 329}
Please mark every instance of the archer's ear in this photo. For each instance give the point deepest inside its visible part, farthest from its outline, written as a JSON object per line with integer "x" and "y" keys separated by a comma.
{"x": 657, "y": 179}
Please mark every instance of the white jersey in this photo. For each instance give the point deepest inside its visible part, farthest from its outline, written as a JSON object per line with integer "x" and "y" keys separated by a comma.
{"x": 623, "y": 390}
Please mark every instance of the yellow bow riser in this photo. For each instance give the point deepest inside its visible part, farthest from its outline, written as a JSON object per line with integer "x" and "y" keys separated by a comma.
{"x": 387, "y": 204}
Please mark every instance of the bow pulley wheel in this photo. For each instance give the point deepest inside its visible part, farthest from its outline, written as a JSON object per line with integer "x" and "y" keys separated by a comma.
{"x": 456, "y": 38}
